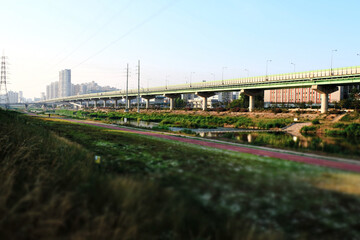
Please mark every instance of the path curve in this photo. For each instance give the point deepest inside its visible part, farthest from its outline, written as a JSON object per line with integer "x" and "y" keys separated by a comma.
{"x": 294, "y": 129}
{"x": 260, "y": 152}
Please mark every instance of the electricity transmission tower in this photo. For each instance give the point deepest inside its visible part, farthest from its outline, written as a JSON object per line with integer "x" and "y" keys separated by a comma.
{"x": 4, "y": 97}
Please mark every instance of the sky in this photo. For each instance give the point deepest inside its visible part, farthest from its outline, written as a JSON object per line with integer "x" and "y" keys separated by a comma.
{"x": 175, "y": 40}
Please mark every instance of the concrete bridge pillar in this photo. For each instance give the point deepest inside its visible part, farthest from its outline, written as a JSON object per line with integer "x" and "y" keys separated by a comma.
{"x": 104, "y": 103}
{"x": 324, "y": 91}
{"x": 147, "y": 100}
{"x": 205, "y": 96}
{"x": 128, "y": 102}
{"x": 87, "y": 104}
{"x": 116, "y": 102}
{"x": 252, "y": 93}
{"x": 172, "y": 98}
{"x": 95, "y": 103}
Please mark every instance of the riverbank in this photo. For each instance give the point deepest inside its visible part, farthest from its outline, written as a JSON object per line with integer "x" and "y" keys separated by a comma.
{"x": 146, "y": 188}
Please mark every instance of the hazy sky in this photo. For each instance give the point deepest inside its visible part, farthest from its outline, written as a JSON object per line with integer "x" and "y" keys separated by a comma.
{"x": 172, "y": 38}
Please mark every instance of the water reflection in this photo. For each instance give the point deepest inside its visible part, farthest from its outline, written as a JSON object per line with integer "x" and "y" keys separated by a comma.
{"x": 337, "y": 146}
{"x": 136, "y": 123}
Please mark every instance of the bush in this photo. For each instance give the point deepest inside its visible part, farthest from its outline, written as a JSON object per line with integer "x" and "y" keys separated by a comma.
{"x": 308, "y": 130}
{"x": 244, "y": 122}
{"x": 238, "y": 109}
{"x": 339, "y": 125}
{"x": 315, "y": 121}
{"x": 220, "y": 109}
{"x": 351, "y": 130}
{"x": 350, "y": 117}
{"x": 187, "y": 131}
{"x": 273, "y": 123}
{"x": 279, "y": 110}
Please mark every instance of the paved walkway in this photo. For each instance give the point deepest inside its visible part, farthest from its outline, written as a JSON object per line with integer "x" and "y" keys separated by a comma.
{"x": 337, "y": 118}
{"x": 294, "y": 129}
{"x": 293, "y": 156}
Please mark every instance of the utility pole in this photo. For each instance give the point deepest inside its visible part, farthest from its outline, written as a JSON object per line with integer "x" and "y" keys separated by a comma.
{"x": 127, "y": 89}
{"x": 4, "y": 97}
{"x": 138, "y": 97}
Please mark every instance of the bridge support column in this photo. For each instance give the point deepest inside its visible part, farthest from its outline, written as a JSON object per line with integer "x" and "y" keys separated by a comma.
{"x": 205, "y": 96}
{"x": 252, "y": 93}
{"x": 115, "y": 102}
{"x": 95, "y": 103}
{"x": 128, "y": 102}
{"x": 324, "y": 91}
{"x": 172, "y": 98}
{"x": 87, "y": 104}
{"x": 147, "y": 100}
{"x": 104, "y": 103}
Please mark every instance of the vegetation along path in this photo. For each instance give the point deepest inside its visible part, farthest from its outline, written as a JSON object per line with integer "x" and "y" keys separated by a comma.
{"x": 260, "y": 152}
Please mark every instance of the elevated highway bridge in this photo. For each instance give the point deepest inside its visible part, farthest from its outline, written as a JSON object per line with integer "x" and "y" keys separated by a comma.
{"x": 323, "y": 81}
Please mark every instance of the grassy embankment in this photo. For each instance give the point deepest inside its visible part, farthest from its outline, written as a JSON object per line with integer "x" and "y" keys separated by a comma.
{"x": 182, "y": 120}
{"x": 148, "y": 188}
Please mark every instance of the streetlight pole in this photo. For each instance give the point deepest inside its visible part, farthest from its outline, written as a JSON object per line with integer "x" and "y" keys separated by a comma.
{"x": 331, "y": 64}
{"x": 127, "y": 89}
{"x": 247, "y": 70}
{"x": 222, "y": 75}
{"x": 191, "y": 77}
{"x": 294, "y": 65}
{"x": 267, "y": 63}
{"x": 138, "y": 96}
{"x": 213, "y": 74}
{"x": 166, "y": 81}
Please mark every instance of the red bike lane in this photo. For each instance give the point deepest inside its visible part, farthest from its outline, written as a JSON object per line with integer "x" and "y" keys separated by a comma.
{"x": 260, "y": 152}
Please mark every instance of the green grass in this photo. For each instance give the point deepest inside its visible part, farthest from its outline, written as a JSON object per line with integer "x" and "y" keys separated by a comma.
{"x": 181, "y": 120}
{"x": 351, "y": 130}
{"x": 149, "y": 188}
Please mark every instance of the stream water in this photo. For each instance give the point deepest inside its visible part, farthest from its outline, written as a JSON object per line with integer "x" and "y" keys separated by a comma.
{"x": 330, "y": 145}
{"x": 339, "y": 146}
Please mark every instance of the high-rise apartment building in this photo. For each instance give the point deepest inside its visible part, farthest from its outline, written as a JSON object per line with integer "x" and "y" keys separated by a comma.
{"x": 13, "y": 97}
{"x": 65, "y": 83}
{"x": 42, "y": 96}
{"x": 21, "y": 97}
{"x": 54, "y": 90}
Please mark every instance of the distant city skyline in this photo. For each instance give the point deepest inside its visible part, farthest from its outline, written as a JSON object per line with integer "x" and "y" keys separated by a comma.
{"x": 177, "y": 41}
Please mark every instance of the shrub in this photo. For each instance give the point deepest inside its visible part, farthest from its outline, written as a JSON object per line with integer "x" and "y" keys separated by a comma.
{"x": 308, "y": 129}
{"x": 273, "y": 123}
{"x": 279, "y": 110}
{"x": 339, "y": 125}
{"x": 315, "y": 121}
{"x": 187, "y": 131}
{"x": 350, "y": 117}
{"x": 238, "y": 109}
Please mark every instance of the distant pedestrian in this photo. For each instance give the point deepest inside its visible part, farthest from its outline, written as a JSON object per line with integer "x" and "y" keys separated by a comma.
{"x": 49, "y": 114}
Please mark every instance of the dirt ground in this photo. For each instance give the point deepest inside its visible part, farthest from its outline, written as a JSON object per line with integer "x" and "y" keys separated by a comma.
{"x": 308, "y": 116}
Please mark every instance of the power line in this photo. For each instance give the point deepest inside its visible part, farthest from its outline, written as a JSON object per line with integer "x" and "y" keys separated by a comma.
{"x": 102, "y": 27}
{"x": 127, "y": 33}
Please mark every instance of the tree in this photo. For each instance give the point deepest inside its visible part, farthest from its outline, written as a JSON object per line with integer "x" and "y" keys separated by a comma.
{"x": 180, "y": 103}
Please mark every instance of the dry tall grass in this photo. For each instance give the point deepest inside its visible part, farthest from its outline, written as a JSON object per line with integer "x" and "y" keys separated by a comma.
{"x": 50, "y": 188}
